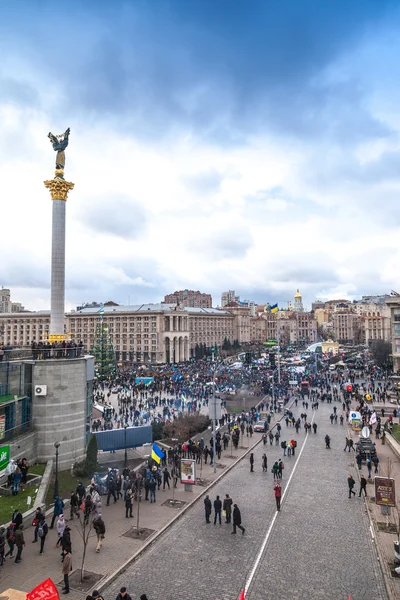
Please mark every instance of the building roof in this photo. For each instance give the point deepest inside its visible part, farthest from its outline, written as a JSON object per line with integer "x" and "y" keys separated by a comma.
{"x": 144, "y": 308}
{"x": 297, "y": 294}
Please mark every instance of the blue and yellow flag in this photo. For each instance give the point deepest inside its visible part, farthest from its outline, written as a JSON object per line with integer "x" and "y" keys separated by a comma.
{"x": 156, "y": 453}
{"x": 274, "y": 308}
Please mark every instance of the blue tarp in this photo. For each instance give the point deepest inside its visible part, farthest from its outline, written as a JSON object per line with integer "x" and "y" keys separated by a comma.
{"x": 114, "y": 439}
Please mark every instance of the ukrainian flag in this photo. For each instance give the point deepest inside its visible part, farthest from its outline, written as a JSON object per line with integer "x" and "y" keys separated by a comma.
{"x": 274, "y": 308}
{"x": 156, "y": 453}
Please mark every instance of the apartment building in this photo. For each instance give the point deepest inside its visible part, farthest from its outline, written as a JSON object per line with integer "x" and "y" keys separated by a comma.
{"x": 189, "y": 298}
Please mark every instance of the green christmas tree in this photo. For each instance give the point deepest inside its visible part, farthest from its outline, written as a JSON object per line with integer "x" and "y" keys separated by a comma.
{"x": 103, "y": 352}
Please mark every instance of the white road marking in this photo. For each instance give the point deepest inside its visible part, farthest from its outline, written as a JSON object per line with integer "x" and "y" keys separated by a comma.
{"x": 267, "y": 535}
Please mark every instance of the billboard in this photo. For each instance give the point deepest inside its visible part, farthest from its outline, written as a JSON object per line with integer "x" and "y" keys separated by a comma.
{"x": 188, "y": 471}
{"x": 385, "y": 494}
{"x": 2, "y": 427}
{"x": 4, "y": 459}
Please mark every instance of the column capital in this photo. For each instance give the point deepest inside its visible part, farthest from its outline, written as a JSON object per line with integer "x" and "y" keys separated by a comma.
{"x": 58, "y": 187}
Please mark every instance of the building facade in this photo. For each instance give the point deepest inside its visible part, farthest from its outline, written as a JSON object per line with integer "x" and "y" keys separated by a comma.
{"x": 393, "y": 302}
{"x": 189, "y": 298}
{"x": 6, "y": 304}
{"x": 228, "y": 297}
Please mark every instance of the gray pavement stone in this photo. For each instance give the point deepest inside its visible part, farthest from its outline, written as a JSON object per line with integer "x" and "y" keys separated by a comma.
{"x": 320, "y": 546}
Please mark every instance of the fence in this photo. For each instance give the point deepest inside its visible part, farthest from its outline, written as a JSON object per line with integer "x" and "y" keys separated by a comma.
{"x": 42, "y": 353}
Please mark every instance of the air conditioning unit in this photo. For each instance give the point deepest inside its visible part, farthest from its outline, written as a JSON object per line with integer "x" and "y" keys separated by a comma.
{"x": 40, "y": 390}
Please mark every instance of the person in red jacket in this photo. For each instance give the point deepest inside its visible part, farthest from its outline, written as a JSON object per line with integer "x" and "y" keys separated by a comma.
{"x": 278, "y": 495}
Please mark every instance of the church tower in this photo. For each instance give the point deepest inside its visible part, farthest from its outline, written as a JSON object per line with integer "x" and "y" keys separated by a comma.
{"x": 298, "y": 302}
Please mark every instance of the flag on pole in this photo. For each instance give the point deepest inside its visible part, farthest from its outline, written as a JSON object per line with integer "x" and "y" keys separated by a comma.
{"x": 241, "y": 597}
{"x": 156, "y": 453}
{"x": 273, "y": 308}
{"x": 372, "y": 420}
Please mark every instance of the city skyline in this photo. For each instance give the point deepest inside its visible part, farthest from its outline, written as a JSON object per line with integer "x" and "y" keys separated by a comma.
{"x": 206, "y": 154}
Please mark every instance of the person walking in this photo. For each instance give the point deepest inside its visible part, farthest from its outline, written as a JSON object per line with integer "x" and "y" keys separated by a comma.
{"x": 264, "y": 463}
{"x": 10, "y": 537}
{"x": 60, "y": 526}
{"x": 128, "y": 504}
{"x": 73, "y": 505}
{"x": 281, "y": 466}
{"x": 58, "y": 510}
{"x": 39, "y": 516}
{"x": 227, "y": 507}
{"x": 369, "y": 465}
{"x": 375, "y": 460}
{"x": 359, "y": 460}
{"x": 19, "y": 542}
{"x": 363, "y": 486}
{"x": 152, "y": 488}
{"x": 278, "y": 495}
{"x": 207, "y": 508}
{"x": 217, "y": 510}
{"x": 42, "y": 533}
{"x": 237, "y": 519}
{"x": 166, "y": 478}
{"x": 275, "y": 469}
{"x": 252, "y": 463}
{"x": 327, "y": 442}
{"x": 100, "y": 529}
{"x": 351, "y": 483}
{"x": 66, "y": 570}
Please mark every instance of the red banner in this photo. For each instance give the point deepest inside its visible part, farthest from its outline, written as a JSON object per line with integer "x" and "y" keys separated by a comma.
{"x": 44, "y": 591}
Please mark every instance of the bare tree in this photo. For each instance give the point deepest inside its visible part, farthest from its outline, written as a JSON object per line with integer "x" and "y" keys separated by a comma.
{"x": 84, "y": 528}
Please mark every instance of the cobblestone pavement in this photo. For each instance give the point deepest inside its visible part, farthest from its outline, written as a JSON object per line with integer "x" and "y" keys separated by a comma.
{"x": 320, "y": 545}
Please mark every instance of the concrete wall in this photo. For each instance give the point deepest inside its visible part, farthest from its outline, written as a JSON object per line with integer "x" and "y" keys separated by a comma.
{"x": 60, "y": 416}
{"x": 24, "y": 446}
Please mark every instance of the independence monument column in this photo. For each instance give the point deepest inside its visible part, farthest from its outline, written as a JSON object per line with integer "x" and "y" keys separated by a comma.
{"x": 59, "y": 189}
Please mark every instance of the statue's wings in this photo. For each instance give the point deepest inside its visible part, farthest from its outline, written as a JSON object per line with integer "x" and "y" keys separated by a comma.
{"x": 53, "y": 138}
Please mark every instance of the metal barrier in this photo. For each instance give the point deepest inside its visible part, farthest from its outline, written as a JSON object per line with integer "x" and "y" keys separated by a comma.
{"x": 42, "y": 353}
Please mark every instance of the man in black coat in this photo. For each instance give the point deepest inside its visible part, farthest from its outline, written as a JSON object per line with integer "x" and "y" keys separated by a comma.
{"x": 207, "y": 508}
{"x": 227, "y": 507}
{"x": 237, "y": 519}
{"x": 217, "y": 510}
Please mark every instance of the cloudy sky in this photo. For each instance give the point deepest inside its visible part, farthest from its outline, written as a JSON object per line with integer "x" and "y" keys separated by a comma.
{"x": 215, "y": 144}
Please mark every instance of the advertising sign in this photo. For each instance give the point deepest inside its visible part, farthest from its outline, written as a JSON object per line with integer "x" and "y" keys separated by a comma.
{"x": 2, "y": 427}
{"x": 385, "y": 494}
{"x": 188, "y": 471}
{"x": 4, "y": 459}
{"x": 44, "y": 591}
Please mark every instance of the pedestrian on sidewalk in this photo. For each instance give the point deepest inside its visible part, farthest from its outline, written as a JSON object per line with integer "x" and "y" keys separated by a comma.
{"x": 80, "y": 492}
{"x": 217, "y": 510}
{"x": 375, "y": 460}
{"x": 227, "y": 507}
{"x": 327, "y": 442}
{"x": 363, "y": 486}
{"x": 359, "y": 460}
{"x": 369, "y": 465}
{"x": 60, "y": 525}
{"x": 128, "y": 504}
{"x": 123, "y": 595}
{"x": 10, "y": 537}
{"x": 73, "y": 505}
{"x": 42, "y": 533}
{"x": 19, "y": 542}
{"x": 237, "y": 520}
{"x": 278, "y": 495}
{"x": 351, "y": 483}
{"x": 58, "y": 510}
{"x": 275, "y": 470}
{"x": 252, "y": 463}
{"x": 100, "y": 529}
{"x": 152, "y": 488}
{"x": 264, "y": 463}
{"x": 39, "y": 516}
{"x": 66, "y": 570}
{"x": 207, "y": 508}
{"x": 281, "y": 466}
{"x": 166, "y": 478}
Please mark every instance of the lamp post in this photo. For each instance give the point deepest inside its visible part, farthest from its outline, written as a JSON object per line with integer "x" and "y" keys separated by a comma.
{"x": 56, "y": 446}
{"x": 126, "y": 454}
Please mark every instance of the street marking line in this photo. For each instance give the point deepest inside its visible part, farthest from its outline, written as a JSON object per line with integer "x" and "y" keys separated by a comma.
{"x": 267, "y": 535}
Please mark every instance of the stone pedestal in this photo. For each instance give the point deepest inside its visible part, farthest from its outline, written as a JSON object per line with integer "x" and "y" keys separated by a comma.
{"x": 63, "y": 413}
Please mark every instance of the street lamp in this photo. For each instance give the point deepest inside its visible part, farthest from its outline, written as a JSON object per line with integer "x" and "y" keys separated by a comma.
{"x": 56, "y": 446}
{"x": 126, "y": 454}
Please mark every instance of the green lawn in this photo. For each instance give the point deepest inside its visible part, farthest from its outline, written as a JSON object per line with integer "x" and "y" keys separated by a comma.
{"x": 66, "y": 484}
{"x": 396, "y": 432}
{"x": 9, "y": 503}
{"x": 37, "y": 469}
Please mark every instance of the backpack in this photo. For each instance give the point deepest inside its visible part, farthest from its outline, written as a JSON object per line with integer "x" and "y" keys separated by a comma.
{"x": 40, "y": 531}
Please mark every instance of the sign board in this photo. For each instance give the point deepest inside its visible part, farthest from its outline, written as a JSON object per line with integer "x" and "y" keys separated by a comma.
{"x": 214, "y": 408}
{"x": 188, "y": 471}
{"x": 2, "y": 427}
{"x": 385, "y": 494}
{"x": 145, "y": 380}
{"x": 4, "y": 459}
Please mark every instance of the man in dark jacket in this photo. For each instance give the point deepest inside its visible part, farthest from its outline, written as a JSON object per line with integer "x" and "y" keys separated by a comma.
{"x": 66, "y": 540}
{"x": 73, "y": 505}
{"x": 123, "y": 595}
{"x": 58, "y": 510}
{"x": 19, "y": 542}
{"x": 237, "y": 519}
{"x": 207, "y": 508}
{"x": 112, "y": 487}
{"x": 39, "y": 516}
{"x": 80, "y": 492}
{"x": 128, "y": 504}
{"x": 351, "y": 483}
{"x": 42, "y": 532}
{"x": 100, "y": 529}
{"x": 217, "y": 510}
{"x": 227, "y": 507}
{"x": 166, "y": 478}
{"x": 363, "y": 486}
